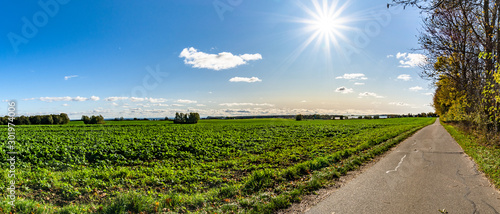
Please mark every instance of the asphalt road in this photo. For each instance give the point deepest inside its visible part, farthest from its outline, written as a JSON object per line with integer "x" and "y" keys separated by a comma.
{"x": 427, "y": 172}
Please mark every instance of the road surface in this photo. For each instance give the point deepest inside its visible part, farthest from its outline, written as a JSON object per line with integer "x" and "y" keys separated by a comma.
{"x": 427, "y": 172}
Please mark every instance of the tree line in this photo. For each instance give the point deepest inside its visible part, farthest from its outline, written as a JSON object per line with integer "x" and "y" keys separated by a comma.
{"x": 461, "y": 40}
{"x": 191, "y": 118}
{"x": 52, "y": 119}
{"x": 93, "y": 119}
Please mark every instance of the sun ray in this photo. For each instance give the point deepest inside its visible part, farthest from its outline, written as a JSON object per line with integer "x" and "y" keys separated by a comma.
{"x": 326, "y": 25}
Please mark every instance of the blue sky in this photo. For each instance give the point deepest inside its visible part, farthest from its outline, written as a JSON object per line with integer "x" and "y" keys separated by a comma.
{"x": 221, "y": 57}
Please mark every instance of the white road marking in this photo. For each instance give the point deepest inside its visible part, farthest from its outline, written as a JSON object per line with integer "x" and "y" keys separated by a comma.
{"x": 399, "y": 164}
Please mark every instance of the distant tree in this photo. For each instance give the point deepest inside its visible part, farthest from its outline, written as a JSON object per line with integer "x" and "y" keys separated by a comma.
{"x": 36, "y": 120}
{"x": 85, "y": 119}
{"x": 299, "y": 117}
{"x": 191, "y": 118}
{"x": 47, "y": 119}
{"x": 376, "y": 117}
{"x": 122, "y": 119}
{"x": 97, "y": 119}
{"x": 65, "y": 118}
{"x": 22, "y": 120}
{"x": 57, "y": 119}
{"x": 360, "y": 117}
{"x": 368, "y": 117}
{"x": 166, "y": 118}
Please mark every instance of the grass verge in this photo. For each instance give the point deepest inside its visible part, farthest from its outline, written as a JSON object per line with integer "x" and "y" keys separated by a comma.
{"x": 486, "y": 156}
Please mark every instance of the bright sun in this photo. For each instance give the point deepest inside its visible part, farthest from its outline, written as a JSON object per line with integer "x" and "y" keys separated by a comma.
{"x": 325, "y": 24}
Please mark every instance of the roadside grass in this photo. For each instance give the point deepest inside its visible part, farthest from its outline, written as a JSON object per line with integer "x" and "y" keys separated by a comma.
{"x": 486, "y": 156}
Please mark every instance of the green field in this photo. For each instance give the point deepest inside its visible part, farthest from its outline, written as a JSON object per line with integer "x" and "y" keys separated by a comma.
{"x": 215, "y": 166}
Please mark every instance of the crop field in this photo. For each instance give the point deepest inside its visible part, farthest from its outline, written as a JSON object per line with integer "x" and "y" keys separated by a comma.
{"x": 215, "y": 166}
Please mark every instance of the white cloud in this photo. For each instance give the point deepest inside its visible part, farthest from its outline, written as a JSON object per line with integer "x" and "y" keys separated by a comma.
{"x": 160, "y": 104}
{"x": 95, "y": 98}
{"x": 404, "y": 77}
{"x": 358, "y": 76}
{"x": 78, "y": 98}
{"x": 369, "y": 94}
{"x": 69, "y": 77}
{"x": 137, "y": 99}
{"x": 428, "y": 94}
{"x": 65, "y": 104}
{"x": 200, "y": 105}
{"x": 344, "y": 90}
{"x": 410, "y": 60}
{"x": 223, "y": 60}
{"x": 303, "y": 101}
{"x": 416, "y": 88}
{"x": 245, "y": 104}
{"x": 177, "y": 105}
{"x": 250, "y": 57}
{"x": 55, "y": 99}
{"x": 185, "y": 101}
{"x": 157, "y": 100}
{"x": 390, "y": 56}
{"x": 112, "y": 99}
{"x": 245, "y": 79}
{"x": 399, "y": 104}
{"x": 359, "y": 83}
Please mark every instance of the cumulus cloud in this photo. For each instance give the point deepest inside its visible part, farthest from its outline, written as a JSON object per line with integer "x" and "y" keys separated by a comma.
{"x": 399, "y": 104}
{"x": 344, "y": 90}
{"x": 67, "y": 98}
{"x": 416, "y": 88}
{"x": 112, "y": 99}
{"x": 359, "y": 83}
{"x": 369, "y": 94}
{"x": 245, "y": 104}
{"x": 137, "y": 99}
{"x": 185, "y": 101}
{"x": 157, "y": 100}
{"x": 245, "y": 79}
{"x": 220, "y": 61}
{"x": 410, "y": 60}
{"x": 404, "y": 77}
{"x": 69, "y": 77}
{"x": 358, "y": 76}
